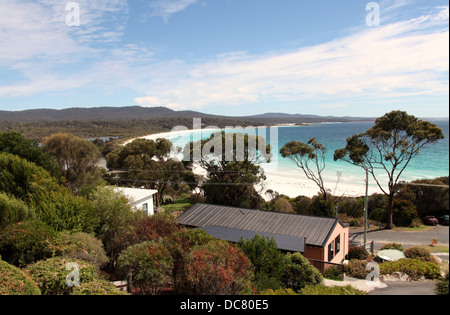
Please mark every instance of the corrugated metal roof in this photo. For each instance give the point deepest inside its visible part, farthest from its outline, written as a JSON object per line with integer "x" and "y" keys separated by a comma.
{"x": 316, "y": 230}
{"x": 284, "y": 242}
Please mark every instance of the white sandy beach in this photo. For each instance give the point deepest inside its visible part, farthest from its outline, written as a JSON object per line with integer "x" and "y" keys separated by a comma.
{"x": 292, "y": 183}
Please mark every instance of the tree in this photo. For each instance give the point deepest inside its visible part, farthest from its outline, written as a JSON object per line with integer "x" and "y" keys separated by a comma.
{"x": 75, "y": 156}
{"x": 16, "y": 144}
{"x": 217, "y": 268}
{"x": 147, "y": 163}
{"x": 431, "y": 196}
{"x": 147, "y": 266}
{"x": 269, "y": 262}
{"x": 389, "y": 146}
{"x": 230, "y": 160}
{"x": 310, "y": 158}
{"x": 300, "y": 273}
{"x": 116, "y": 221}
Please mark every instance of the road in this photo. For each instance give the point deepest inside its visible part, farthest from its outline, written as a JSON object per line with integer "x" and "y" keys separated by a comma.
{"x": 407, "y": 239}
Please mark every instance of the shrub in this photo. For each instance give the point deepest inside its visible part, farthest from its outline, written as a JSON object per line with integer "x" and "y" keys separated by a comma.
{"x": 280, "y": 291}
{"x": 442, "y": 286}
{"x": 334, "y": 273}
{"x": 180, "y": 244}
{"x": 154, "y": 227}
{"x": 414, "y": 268}
{"x": 116, "y": 221}
{"x": 404, "y": 212}
{"x": 335, "y": 290}
{"x": 392, "y": 246}
{"x": 51, "y": 274}
{"x": 59, "y": 208}
{"x": 300, "y": 272}
{"x": 97, "y": 287}
{"x": 420, "y": 253}
{"x": 268, "y": 261}
{"x": 356, "y": 269}
{"x": 26, "y": 242}
{"x": 217, "y": 268}
{"x": 357, "y": 252}
{"x": 147, "y": 266}
{"x": 13, "y": 210}
{"x": 84, "y": 246}
{"x": 14, "y": 281}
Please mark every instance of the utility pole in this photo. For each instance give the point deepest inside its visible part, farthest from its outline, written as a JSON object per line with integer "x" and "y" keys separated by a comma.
{"x": 366, "y": 204}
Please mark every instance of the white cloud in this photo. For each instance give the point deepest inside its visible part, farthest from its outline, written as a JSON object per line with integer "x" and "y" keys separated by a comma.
{"x": 405, "y": 58}
{"x": 165, "y": 8}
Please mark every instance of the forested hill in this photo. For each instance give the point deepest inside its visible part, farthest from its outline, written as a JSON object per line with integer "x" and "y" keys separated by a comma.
{"x": 98, "y": 113}
{"x": 134, "y": 121}
{"x": 137, "y": 112}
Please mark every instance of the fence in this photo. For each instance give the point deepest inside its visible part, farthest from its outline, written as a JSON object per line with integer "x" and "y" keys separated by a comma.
{"x": 368, "y": 246}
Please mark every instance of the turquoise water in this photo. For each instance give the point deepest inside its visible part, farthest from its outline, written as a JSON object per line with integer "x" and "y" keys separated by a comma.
{"x": 432, "y": 161}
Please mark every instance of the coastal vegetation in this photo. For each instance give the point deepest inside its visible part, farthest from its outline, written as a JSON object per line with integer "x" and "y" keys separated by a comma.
{"x": 56, "y": 207}
{"x": 387, "y": 149}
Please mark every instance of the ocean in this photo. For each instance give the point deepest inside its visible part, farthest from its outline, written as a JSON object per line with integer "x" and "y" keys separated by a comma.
{"x": 432, "y": 161}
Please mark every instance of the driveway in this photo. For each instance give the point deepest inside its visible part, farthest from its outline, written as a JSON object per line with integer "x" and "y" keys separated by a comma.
{"x": 406, "y": 288}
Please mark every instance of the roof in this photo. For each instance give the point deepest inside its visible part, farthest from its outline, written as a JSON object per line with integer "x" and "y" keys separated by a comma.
{"x": 284, "y": 242}
{"x": 316, "y": 230}
{"x": 136, "y": 195}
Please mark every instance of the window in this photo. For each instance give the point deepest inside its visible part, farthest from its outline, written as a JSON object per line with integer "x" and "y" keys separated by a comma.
{"x": 331, "y": 251}
{"x": 338, "y": 244}
{"x": 145, "y": 208}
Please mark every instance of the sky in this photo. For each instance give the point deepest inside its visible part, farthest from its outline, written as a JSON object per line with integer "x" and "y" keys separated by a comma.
{"x": 227, "y": 57}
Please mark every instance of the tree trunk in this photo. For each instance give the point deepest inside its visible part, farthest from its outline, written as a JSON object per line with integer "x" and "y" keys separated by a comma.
{"x": 390, "y": 211}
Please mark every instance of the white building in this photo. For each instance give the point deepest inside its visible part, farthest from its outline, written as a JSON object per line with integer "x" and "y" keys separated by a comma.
{"x": 139, "y": 199}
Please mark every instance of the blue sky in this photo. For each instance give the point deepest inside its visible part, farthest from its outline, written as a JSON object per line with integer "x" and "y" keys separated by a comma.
{"x": 228, "y": 57}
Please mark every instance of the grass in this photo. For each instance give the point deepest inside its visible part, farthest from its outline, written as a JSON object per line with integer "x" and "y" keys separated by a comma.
{"x": 178, "y": 205}
{"x": 436, "y": 248}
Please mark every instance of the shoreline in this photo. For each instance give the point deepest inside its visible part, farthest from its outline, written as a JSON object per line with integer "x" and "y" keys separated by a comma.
{"x": 289, "y": 181}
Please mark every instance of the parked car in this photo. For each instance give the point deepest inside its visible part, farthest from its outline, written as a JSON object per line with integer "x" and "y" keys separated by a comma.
{"x": 443, "y": 219}
{"x": 430, "y": 220}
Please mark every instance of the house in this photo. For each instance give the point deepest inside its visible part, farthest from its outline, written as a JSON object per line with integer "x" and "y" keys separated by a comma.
{"x": 139, "y": 199}
{"x": 324, "y": 241}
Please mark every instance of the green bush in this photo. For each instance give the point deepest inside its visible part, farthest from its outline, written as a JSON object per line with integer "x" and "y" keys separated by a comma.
{"x": 280, "y": 291}
{"x": 404, "y": 213}
{"x": 269, "y": 262}
{"x": 59, "y": 208}
{"x": 84, "y": 246}
{"x": 299, "y": 272}
{"x": 357, "y": 252}
{"x": 97, "y": 287}
{"x": 420, "y": 253}
{"x": 414, "y": 268}
{"x": 442, "y": 286}
{"x": 13, "y": 210}
{"x": 51, "y": 274}
{"x": 334, "y": 273}
{"x": 335, "y": 290}
{"x": 14, "y": 281}
{"x": 392, "y": 246}
{"x": 26, "y": 242}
